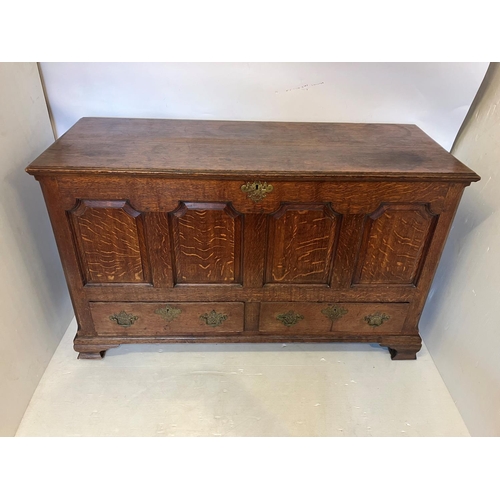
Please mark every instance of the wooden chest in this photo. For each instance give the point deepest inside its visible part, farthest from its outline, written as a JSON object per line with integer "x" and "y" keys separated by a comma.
{"x": 213, "y": 231}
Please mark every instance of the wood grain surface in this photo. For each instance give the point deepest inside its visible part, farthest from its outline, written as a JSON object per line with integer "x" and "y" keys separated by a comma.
{"x": 314, "y": 320}
{"x": 394, "y": 244}
{"x": 150, "y": 321}
{"x": 110, "y": 237}
{"x": 301, "y": 244}
{"x": 187, "y": 147}
{"x": 159, "y": 242}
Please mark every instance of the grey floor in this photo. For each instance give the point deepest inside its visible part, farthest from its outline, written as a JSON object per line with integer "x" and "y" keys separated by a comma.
{"x": 241, "y": 390}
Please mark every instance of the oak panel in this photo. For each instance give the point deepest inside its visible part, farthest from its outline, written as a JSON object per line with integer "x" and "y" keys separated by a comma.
{"x": 395, "y": 244}
{"x": 301, "y": 244}
{"x": 207, "y": 243}
{"x": 111, "y": 242}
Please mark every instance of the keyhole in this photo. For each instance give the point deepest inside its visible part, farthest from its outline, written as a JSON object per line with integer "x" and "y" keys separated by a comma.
{"x": 256, "y": 186}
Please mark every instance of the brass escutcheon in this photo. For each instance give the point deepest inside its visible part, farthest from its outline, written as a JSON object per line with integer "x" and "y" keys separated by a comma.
{"x": 376, "y": 319}
{"x": 257, "y": 191}
{"x": 168, "y": 313}
{"x": 334, "y": 312}
{"x": 289, "y": 318}
{"x": 124, "y": 319}
{"x": 213, "y": 318}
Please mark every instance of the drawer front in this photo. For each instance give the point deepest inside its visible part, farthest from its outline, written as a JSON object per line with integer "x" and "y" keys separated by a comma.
{"x": 314, "y": 317}
{"x": 161, "y": 318}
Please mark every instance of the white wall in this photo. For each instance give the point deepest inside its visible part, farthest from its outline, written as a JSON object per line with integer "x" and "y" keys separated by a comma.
{"x": 434, "y": 96}
{"x": 34, "y": 303}
{"x": 460, "y": 323}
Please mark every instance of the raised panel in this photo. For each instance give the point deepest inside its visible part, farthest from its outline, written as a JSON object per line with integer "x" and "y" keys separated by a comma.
{"x": 301, "y": 244}
{"x": 207, "y": 243}
{"x": 110, "y": 239}
{"x": 394, "y": 244}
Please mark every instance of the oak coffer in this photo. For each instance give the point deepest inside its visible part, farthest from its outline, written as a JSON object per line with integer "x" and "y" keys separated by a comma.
{"x": 218, "y": 231}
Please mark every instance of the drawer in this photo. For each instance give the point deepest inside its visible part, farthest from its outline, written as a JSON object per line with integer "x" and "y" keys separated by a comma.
{"x": 318, "y": 317}
{"x": 162, "y": 318}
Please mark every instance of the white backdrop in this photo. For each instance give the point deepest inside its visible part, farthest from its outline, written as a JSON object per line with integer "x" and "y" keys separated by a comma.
{"x": 434, "y": 96}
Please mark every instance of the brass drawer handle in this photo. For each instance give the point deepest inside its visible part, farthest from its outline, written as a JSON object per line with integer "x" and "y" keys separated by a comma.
{"x": 257, "y": 191}
{"x": 376, "y": 319}
{"x": 168, "y": 313}
{"x": 213, "y": 318}
{"x": 334, "y": 312}
{"x": 124, "y": 319}
{"x": 289, "y": 318}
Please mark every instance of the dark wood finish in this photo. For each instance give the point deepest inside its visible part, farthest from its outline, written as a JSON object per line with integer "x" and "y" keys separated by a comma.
{"x": 155, "y": 232}
{"x": 111, "y": 242}
{"x": 204, "y": 148}
{"x": 207, "y": 243}
{"x": 185, "y": 318}
{"x": 301, "y": 244}
{"x": 313, "y": 320}
{"x": 93, "y": 351}
{"x": 394, "y": 244}
{"x": 160, "y": 249}
{"x": 347, "y": 251}
{"x": 163, "y": 193}
{"x": 254, "y": 251}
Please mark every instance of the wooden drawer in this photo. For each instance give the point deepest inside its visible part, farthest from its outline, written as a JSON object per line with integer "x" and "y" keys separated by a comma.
{"x": 320, "y": 317}
{"x": 161, "y": 318}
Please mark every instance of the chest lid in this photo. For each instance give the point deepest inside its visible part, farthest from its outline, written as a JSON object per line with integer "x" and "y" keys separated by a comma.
{"x": 236, "y": 149}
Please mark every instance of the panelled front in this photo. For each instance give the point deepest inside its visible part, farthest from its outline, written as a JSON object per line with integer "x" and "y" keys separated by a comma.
{"x": 209, "y": 231}
{"x": 313, "y": 241}
{"x": 210, "y": 235}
